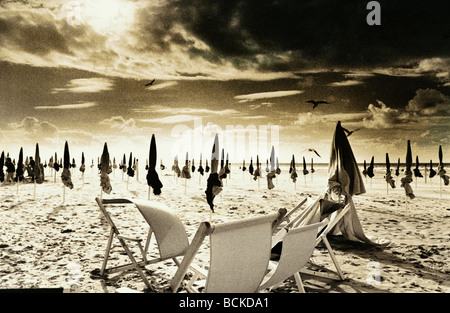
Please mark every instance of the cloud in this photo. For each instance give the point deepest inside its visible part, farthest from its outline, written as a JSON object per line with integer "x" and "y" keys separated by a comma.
{"x": 33, "y": 127}
{"x": 382, "y": 116}
{"x": 86, "y": 85}
{"x": 174, "y": 119}
{"x": 429, "y": 102}
{"x": 346, "y": 83}
{"x": 66, "y": 106}
{"x": 162, "y": 85}
{"x": 267, "y": 95}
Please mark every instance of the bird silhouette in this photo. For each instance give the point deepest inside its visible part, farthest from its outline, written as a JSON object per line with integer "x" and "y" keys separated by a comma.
{"x": 312, "y": 150}
{"x": 316, "y": 103}
{"x": 150, "y": 83}
{"x": 349, "y": 132}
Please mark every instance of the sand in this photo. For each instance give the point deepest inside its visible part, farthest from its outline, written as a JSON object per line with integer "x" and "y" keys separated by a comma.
{"x": 45, "y": 243}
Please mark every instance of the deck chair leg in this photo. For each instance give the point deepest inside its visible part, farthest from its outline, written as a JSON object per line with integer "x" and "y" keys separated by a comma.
{"x": 108, "y": 249}
{"x": 333, "y": 257}
{"x": 299, "y": 282}
{"x": 135, "y": 263}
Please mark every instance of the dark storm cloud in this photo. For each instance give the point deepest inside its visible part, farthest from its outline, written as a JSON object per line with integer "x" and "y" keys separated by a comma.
{"x": 292, "y": 34}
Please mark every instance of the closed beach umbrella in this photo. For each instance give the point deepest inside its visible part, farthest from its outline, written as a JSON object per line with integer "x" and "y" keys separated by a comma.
{"x": 176, "y": 167}
{"x": 397, "y": 170}
{"x": 271, "y": 174}
{"x": 19, "y": 169}
{"x": 130, "y": 170}
{"x": 417, "y": 172}
{"x": 407, "y": 179}
{"x": 432, "y": 171}
{"x": 185, "y": 171}
{"x": 441, "y": 170}
{"x": 152, "y": 176}
{"x": 278, "y": 170}
{"x": 65, "y": 175}
{"x": 370, "y": 168}
{"x": 305, "y": 171}
{"x": 105, "y": 170}
{"x": 82, "y": 166}
{"x": 250, "y": 168}
{"x": 214, "y": 184}
{"x": 38, "y": 168}
{"x": 293, "y": 170}
{"x": 344, "y": 177}
{"x": 388, "y": 176}
{"x": 257, "y": 172}
{"x": 200, "y": 169}
{"x": 2, "y": 164}
{"x": 243, "y": 166}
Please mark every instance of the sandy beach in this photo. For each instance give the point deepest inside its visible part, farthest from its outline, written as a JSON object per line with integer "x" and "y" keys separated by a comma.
{"x": 46, "y": 243}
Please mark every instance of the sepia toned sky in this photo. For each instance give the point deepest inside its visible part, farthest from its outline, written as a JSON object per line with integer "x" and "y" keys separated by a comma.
{"x": 77, "y": 71}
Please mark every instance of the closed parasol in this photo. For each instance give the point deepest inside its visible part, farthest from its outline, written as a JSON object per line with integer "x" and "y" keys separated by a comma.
{"x": 305, "y": 171}
{"x": 441, "y": 170}
{"x": 344, "y": 178}
{"x": 370, "y": 168}
{"x": 65, "y": 175}
{"x": 397, "y": 170}
{"x": 105, "y": 170}
{"x": 407, "y": 179}
{"x": 19, "y": 169}
{"x": 271, "y": 174}
{"x": 200, "y": 169}
{"x": 243, "y": 166}
{"x": 152, "y": 176}
{"x": 185, "y": 171}
{"x": 130, "y": 170}
{"x": 257, "y": 172}
{"x": 417, "y": 172}
{"x": 278, "y": 170}
{"x": 83, "y": 165}
{"x": 38, "y": 167}
{"x": 293, "y": 170}
{"x": 250, "y": 168}
{"x": 388, "y": 176}
{"x": 214, "y": 184}
{"x": 432, "y": 171}
{"x": 2, "y": 164}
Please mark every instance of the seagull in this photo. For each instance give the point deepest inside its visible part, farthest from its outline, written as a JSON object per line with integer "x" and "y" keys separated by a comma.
{"x": 312, "y": 150}
{"x": 316, "y": 103}
{"x": 349, "y": 132}
{"x": 150, "y": 83}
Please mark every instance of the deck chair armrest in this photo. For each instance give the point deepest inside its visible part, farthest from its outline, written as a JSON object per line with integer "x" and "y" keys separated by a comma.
{"x": 129, "y": 238}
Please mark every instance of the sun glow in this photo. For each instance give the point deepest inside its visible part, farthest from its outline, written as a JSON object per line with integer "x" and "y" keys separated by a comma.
{"x": 108, "y": 16}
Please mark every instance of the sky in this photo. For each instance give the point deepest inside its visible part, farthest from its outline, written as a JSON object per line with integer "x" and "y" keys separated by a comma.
{"x": 77, "y": 71}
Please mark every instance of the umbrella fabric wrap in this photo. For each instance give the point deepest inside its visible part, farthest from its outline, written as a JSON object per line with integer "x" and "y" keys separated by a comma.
{"x": 389, "y": 179}
{"x": 152, "y": 177}
{"x": 344, "y": 178}
{"x": 270, "y": 176}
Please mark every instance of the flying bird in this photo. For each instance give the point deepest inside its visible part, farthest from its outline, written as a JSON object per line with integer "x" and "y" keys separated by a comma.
{"x": 316, "y": 103}
{"x": 349, "y": 132}
{"x": 312, "y": 150}
{"x": 150, "y": 83}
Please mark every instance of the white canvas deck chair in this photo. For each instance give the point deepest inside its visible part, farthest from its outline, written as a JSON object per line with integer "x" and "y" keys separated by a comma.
{"x": 298, "y": 246}
{"x": 170, "y": 234}
{"x": 317, "y": 211}
{"x": 239, "y": 255}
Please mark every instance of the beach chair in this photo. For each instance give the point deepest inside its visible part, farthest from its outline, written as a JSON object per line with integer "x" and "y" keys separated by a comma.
{"x": 298, "y": 246}
{"x": 170, "y": 234}
{"x": 239, "y": 256}
{"x": 318, "y": 210}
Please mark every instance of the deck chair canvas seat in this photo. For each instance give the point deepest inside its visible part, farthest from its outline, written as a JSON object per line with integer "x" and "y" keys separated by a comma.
{"x": 316, "y": 211}
{"x": 298, "y": 246}
{"x": 171, "y": 237}
{"x": 239, "y": 255}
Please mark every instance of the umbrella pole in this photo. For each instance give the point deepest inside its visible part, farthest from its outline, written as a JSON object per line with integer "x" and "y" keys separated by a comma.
{"x": 440, "y": 187}
{"x": 64, "y": 193}
{"x": 54, "y": 180}
{"x": 128, "y": 180}
{"x": 34, "y": 190}
{"x": 185, "y": 185}
{"x": 149, "y": 192}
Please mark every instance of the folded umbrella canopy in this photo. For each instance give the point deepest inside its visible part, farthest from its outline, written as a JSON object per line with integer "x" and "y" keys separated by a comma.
{"x": 365, "y": 169}
{"x": 19, "y": 169}
{"x": 214, "y": 184}
{"x": 278, "y": 170}
{"x": 222, "y": 171}
{"x": 257, "y": 172}
{"x": 271, "y": 174}
{"x": 312, "y": 166}
{"x": 82, "y": 166}
{"x": 417, "y": 172}
{"x": 441, "y": 171}
{"x": 200, "y": 169}
{"x": 432, "y": 171}
{"x": 175, "y": 166}
{"x": 38, "y": 167}
{"x": 388, "y": 176}
{"x": 105, "y": 170}
{"x": 152, "y": 176}
{"x": 185, "y": 172}
{"x": 305, "y": 171}
{"x": 407, "y": 179}
{"x": 123, "y": 165}
{"x": 397, "y": 170}
{"x": 370, "y": 168}
{"x": 250, "y": 168}
{"x": 65, "y": 175}
{"x": 2, "y": 164}
{"x": 56, "y": 165}
{"x": 293, "y": 170}
{"x": 344, "y": 178}
{"x": 193, "y": 166}
{"x": 130, "y": 170}
{"x": 243, "y": 166}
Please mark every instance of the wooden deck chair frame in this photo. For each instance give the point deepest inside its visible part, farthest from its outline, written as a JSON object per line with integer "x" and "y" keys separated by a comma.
{"x": 304, "y": 218}
{"x": 298, "y": 246}
{"x": 114, "y": 232}
{"x": 206, "y": 229}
